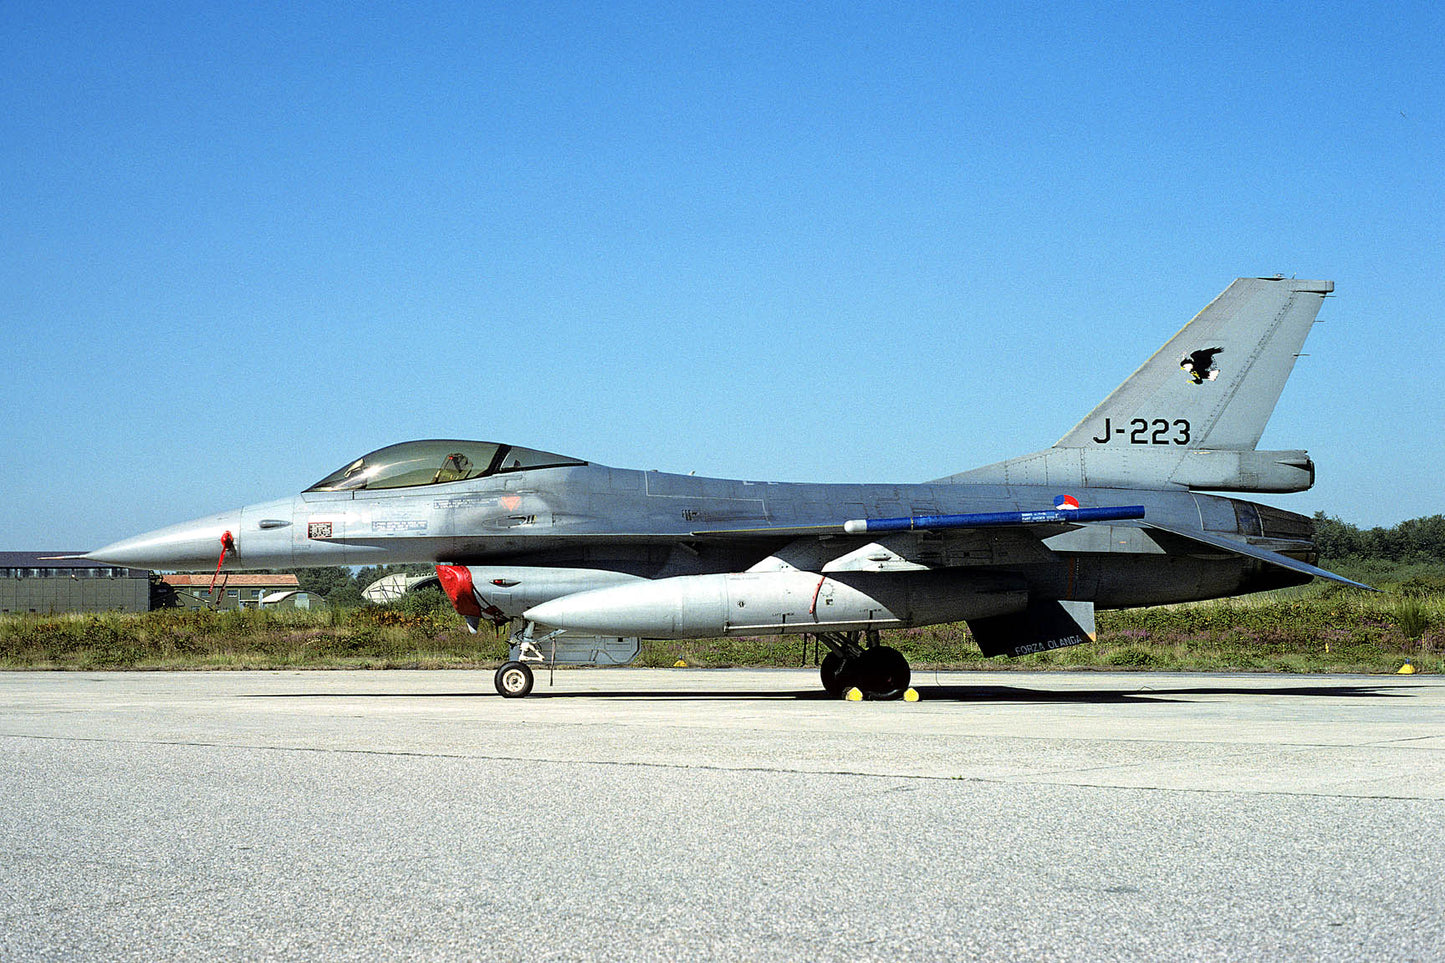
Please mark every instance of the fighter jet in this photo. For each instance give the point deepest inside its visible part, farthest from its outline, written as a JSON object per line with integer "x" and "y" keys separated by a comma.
{"x": 582, "y": 560}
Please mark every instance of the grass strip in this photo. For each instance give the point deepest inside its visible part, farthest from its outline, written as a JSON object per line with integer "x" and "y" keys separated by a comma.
{"x": 1303, "y": 630}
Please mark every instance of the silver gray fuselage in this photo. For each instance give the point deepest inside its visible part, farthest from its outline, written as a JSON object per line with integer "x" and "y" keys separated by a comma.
{"x": 656, "y": 525}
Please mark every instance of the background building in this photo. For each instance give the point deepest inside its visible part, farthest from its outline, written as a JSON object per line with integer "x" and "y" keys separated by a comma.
{"x": 246, "y": 591}
{"x": 38, "y": 582}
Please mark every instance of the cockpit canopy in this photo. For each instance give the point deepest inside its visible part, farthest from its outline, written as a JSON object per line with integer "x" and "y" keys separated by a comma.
{"x": 415, "y": 463}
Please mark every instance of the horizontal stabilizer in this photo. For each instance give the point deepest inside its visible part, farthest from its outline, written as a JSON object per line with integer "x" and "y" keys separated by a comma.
{"x": 1254, "y": 551}
{"x": 1046, "y": 624}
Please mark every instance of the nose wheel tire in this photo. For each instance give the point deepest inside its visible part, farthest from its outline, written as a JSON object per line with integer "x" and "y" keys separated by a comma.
{"x": 514, "y": 680}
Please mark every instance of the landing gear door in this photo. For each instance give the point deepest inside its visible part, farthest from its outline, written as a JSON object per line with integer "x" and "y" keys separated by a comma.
{"x": 559, "y": 648}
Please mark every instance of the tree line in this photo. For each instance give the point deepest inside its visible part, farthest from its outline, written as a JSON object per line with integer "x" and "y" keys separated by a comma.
{"x": 1415, "y": 540}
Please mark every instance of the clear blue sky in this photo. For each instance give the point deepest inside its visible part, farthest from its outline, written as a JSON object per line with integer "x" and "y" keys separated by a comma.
{"x": 241, "y": 244}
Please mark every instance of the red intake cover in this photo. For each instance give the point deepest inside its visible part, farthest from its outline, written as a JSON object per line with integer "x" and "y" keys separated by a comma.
{"x": 457, "y": 583}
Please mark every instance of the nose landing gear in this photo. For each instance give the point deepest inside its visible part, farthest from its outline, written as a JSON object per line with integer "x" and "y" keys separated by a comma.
{"x": 514, "y": 680}
{"x": 531, "y": 650}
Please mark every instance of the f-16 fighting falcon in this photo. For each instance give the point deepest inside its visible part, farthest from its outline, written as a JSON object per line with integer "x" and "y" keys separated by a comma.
{"x": 583, "y": 560}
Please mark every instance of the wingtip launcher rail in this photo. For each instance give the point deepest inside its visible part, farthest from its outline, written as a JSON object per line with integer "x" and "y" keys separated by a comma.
{"x": 1051, "y": 516}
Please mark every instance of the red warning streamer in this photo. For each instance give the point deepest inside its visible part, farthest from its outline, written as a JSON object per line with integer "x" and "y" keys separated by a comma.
{"x": 228, "y": 544}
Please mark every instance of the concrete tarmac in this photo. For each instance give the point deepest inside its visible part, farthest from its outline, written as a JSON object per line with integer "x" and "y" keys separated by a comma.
{"x": 720, "y": 814}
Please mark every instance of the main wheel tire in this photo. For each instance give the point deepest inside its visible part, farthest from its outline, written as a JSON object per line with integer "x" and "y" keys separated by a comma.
{"x": 514, "y": 680}
{"x": 834, "y": 672}
{"x": 882, "y": 673}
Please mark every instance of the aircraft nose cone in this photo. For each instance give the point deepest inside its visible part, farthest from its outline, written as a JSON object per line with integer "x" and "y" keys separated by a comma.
{"x": 190, "y": 545}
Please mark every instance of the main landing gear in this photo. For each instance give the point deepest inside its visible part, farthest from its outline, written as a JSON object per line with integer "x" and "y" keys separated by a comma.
{"x": 878, "y": 671}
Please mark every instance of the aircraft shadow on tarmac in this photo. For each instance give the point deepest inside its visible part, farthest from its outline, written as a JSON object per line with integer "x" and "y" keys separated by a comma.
{"x": 1146, "y": 693}
{"x": 927, "y": 693}
{"x": 1005, "y": 694}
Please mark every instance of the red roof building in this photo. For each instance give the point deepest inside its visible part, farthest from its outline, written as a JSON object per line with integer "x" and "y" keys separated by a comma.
{"x": 248, "y": 590}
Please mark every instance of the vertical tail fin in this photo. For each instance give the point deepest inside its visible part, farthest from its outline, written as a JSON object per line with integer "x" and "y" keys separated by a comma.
{"x": 1191, "y": 416}
{"x": 1220, "y": 376}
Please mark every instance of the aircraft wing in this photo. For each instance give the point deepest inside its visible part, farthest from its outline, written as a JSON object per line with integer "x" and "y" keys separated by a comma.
{"x": 1038, "y": 525}
{"x": 922, "y": 542}
{"x": 1238, "y": 547}
{"x": 773, "y": 531}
